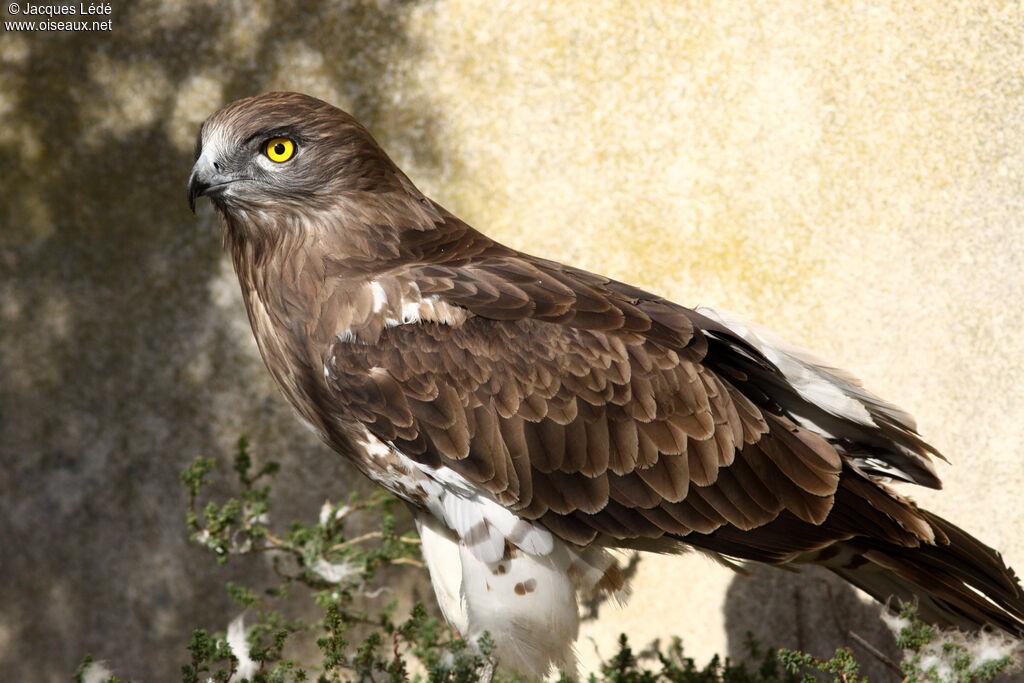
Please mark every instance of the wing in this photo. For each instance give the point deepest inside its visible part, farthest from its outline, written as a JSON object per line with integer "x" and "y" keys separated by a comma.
{"x": 877, "y": 437}
{"x": 591, "y": 406}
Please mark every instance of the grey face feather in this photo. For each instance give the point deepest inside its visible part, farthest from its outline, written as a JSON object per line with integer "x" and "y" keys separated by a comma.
{"x": 334, "y": 155}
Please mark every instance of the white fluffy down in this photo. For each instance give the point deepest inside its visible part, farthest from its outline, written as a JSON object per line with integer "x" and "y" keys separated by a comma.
{"x": 96, "y": 672}
{"x": 239, "y": 645}
{"x": 982, "y": 647}
{"x": 334, "y": 572}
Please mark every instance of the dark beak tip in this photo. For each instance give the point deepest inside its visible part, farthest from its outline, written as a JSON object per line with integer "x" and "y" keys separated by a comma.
{"x": 196, "y": 188}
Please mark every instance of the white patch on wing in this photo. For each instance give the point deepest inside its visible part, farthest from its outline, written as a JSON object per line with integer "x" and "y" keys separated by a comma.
{"x": 816, "y": 382}
{"x": 842, "y": 395}
{"x": 411, "y": 309}
{"x": 393, "y": 308}
{"x": 380, "y": 297}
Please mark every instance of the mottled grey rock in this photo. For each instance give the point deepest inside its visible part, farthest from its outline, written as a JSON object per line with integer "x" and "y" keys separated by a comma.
{"x": 124, "y": 346}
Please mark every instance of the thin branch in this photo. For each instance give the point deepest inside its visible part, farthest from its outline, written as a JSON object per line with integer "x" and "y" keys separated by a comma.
{"x": 273, "y": 539}
{"x": 877, "y": 654}
{"x": 409, "y": 561}
{"x": 370, "y": 536}
{"x": 358, "y": 539}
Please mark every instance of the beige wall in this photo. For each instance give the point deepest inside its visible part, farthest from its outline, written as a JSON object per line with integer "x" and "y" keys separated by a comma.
{"x": 849, "y": 173}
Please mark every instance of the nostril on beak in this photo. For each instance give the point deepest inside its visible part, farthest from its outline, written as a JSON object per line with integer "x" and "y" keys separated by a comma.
{"x": 216, "y": 166}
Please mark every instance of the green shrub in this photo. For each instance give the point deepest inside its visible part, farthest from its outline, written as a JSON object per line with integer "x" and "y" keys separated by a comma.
{"x": 335, "y": 570}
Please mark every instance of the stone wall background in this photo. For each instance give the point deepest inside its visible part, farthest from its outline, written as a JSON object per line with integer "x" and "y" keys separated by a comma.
{"x": 849, "y": 173}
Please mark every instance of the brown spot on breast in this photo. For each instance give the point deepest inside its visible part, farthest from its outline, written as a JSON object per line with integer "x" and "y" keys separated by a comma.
{"x": 524, "y": 587}
{"x": 500, "y": 569}
{"x": 510, "y": 552}
{"x": 477, "y": 534}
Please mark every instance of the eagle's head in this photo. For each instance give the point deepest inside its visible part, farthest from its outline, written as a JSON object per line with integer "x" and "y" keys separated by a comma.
{"x": 282, "y": 151}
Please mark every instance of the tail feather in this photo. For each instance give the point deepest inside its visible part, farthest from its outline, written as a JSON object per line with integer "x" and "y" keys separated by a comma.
{"x": 890, "y": 548}
{"x": 962, "y": 583}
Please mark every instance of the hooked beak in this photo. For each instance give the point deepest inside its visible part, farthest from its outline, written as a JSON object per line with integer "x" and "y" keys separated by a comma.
{"x": 206, "y": 180}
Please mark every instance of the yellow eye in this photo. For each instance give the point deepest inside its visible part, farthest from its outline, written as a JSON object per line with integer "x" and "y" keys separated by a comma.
{"x": 279, "y": 149}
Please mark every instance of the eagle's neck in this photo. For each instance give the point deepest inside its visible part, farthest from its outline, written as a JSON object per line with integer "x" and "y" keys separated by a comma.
{"x": 277, "y": 273}
{"x": 283, "y": 283}
{"x": 298, "y": 285}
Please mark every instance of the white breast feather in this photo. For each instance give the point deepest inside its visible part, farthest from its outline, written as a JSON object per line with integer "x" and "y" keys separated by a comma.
{"x": 528, "y": 605}
{"x": 440, "y": 548}
{"x": 480, "y": 521}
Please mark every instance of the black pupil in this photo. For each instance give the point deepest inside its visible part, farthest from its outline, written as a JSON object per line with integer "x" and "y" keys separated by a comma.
{"x": 279, "y": 149}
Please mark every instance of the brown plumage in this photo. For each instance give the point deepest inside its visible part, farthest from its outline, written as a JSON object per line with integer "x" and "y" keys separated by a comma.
{"x": 513, "y": 397}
